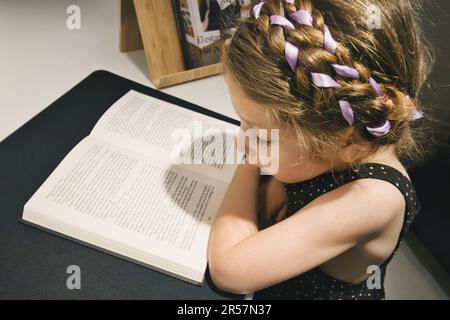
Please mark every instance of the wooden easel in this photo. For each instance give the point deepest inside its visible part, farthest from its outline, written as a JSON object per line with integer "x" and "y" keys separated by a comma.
{"x": 150, "y": 24}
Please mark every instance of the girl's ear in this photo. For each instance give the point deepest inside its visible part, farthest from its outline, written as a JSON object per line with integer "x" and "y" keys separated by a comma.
{"x": 353, "y": 148}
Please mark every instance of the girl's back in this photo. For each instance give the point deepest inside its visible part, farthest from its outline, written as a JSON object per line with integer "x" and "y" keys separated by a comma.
{"x": 339, "y": 82}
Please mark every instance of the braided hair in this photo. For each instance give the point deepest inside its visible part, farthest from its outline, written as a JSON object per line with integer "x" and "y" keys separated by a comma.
{"x": 318, "y": 67}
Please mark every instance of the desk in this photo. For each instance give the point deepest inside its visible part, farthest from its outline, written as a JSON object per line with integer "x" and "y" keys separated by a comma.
{"x": 33, "y": 263}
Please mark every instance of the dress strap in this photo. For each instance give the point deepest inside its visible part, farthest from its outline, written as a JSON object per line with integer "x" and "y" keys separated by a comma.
{"x": 299, "y": 194}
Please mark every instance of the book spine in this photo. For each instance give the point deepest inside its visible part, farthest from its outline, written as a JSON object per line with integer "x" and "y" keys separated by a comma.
{"x": 181, "y": 33}
{"x": 196, "y": 20}
{"x": 177, "y": 14}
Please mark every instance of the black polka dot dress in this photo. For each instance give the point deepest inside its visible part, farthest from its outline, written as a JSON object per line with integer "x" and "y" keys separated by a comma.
{"x": 316, "y": 285}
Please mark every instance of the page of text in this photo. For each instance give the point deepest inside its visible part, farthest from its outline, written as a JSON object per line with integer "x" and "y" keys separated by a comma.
{"x": 158, "y": 129}
{"x": 150, "y": 206}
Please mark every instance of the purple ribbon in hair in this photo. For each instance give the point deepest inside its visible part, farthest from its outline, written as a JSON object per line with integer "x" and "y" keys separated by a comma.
{"x": 257, "y": 9}
{"x": 304, "y": 17}
{"x": 345, "y": 71}
{"x": 384, "y": 129}
{"x": 281, "y": 21}
{"x": 325, "y": 81}
{"x": 322, "y": 80}
{"x": 290, "y": 51}
{"x": 376, "y": 87}
{"x": 347, "y": 111}
{"x": 417, "y": 115}
{"x": 291, "y": 54}
{"x": 328, "y": 42}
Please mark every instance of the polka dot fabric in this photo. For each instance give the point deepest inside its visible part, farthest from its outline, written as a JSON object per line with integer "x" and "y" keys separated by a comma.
{"x": 314, "y": 284}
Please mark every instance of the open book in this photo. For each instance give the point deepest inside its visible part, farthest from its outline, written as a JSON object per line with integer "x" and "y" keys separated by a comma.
{"x": 120, "y": 190}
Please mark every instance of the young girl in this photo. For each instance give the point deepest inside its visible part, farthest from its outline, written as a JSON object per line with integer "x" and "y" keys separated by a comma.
{"x": 340, "y": 80}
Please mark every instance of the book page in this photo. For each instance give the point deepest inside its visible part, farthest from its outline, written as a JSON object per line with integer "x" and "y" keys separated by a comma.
{"x": 161, "y": 130}
{"x": 138, "y": 204}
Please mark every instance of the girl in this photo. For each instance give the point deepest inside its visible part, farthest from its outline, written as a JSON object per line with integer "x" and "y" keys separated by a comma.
{"x": 340, "y": 80}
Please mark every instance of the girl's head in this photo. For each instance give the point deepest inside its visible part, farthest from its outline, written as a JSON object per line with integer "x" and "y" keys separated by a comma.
{"x": 338, "y": 89}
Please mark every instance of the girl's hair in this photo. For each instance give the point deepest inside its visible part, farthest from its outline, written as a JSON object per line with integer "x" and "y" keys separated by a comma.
{"x": 396, "y": 55}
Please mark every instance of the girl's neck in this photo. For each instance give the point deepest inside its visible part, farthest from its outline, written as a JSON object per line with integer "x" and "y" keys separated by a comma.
{"x": 387, "y": 157}
{"x": 383, "y": 156}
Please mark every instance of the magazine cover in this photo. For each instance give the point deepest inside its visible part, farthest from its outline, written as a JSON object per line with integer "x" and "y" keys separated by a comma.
{"x": 204, "y": 25}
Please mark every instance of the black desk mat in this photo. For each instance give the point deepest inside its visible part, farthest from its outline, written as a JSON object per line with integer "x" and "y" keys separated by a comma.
{"x": 33, "y": 263}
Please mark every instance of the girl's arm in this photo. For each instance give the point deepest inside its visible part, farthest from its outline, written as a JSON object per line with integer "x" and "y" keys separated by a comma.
{"x": 248, "y": 206}
{"x": 237, "y": 218}
{"x": 243, "y": 259}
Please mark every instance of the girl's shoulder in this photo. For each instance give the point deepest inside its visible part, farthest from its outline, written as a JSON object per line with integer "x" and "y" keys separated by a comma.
{"x": 381, "y": 202}
{"x": 379, "y": 191}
